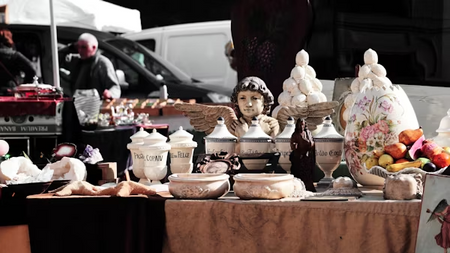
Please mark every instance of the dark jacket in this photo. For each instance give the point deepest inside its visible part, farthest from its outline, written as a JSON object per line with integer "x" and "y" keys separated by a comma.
{"x": 13, "y": 63}
{"x": 101, "y": 75}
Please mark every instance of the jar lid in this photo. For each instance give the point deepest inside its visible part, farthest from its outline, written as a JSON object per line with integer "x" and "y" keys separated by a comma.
{"x": 289, "y": 129}
{"x": 139, "y": 135}
{"x": 220, "y": 131}
{"x": 155, "y": 139}
{"x": 444, "y": 126}
{"x": 181, "y": 138}
{"x": 255, "y": 131}
{"x": 328, "y": 131}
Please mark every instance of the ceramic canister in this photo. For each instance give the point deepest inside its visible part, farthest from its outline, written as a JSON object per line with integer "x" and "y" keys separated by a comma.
{"x": 137, "y": 140}
{"x": 443, "y": 137}
{"x": 283, "y": 145}
{"x": 182, "y": 149}
{"x": 329, "y": 147}
{"x": 155, "y": 151}
{"x": 375, "y": 121}
{"x": 255, "y": 140}
{"x": 220, "y": 140}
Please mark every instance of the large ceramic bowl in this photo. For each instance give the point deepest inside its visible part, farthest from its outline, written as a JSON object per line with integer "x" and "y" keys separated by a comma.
{"x": 376, "y": 118}
{"x": 263, "y": 186}
{"x": 198, "y": 186}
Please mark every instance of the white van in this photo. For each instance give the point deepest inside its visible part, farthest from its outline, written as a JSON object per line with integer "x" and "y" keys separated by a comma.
{"x": 196, "y": 48}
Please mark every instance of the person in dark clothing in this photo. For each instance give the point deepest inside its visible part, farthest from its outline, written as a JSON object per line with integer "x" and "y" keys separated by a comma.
{"x": 267, "y": 35}
{"x": 87, "y": 69}
{"x": 12, "y": 63}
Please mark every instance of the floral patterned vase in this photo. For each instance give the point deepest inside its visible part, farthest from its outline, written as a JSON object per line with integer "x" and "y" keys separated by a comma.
{"x": 376, "y": 119}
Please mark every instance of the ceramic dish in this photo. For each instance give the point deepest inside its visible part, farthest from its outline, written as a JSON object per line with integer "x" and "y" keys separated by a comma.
{"x": 263, "y": 186}
{"x": 198, "y": 186}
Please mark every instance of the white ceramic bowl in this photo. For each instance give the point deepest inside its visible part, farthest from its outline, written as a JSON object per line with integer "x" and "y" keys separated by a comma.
{"x": 198, "y": 185}
{"x": 263, "y": 186}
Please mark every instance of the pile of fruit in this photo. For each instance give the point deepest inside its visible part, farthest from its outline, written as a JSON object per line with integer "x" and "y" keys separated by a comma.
{"x": 412, "y": 151}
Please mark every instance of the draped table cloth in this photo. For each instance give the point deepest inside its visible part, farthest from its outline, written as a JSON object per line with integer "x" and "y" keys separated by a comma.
{"x": 370, "y": 224}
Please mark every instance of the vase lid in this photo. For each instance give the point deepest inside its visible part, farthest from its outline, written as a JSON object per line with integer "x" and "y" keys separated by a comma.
{"x": 155, "y": 139}
{"x": 182, "y": 138}
{"x": 139, "y": 135}
{"x": 220, "y": 131}
{"x": 444, "y": 126}
{"x": 289, "y": 129}
{"x": 328, "y": 130}
{"x": 255, "y": 131}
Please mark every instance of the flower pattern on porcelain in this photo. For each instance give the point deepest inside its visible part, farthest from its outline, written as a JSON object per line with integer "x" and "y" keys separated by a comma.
{"x": 374, "y": 128}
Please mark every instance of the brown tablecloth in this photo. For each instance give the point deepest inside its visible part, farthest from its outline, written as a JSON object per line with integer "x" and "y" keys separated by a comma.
{"x": 366, "y": 225}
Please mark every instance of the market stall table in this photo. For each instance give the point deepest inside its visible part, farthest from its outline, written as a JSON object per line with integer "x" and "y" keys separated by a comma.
{"x": 370, "y": 224}
{"x": 157, "y": 224}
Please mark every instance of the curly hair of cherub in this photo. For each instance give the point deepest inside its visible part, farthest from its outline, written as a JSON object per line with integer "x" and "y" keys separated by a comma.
{"x": 253, "y": 83}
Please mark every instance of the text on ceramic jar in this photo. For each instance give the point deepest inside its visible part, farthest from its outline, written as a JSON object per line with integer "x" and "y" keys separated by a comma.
{"x": 180, "y": 154}
{"x": 329, "y": 153}
{"x": 154, "y": 158}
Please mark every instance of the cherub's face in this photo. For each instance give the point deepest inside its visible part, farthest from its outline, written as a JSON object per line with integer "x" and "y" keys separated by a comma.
{"x": 251, "y": 103}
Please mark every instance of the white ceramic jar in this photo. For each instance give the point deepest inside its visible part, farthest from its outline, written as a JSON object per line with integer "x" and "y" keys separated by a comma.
{"x": 181, "y": 151}
{"x": 220, "y": 140}
{"x": 329, "y": 147}
{"x": 255, "y": 140}
{"x": 137, "y": 140}
{"x": 155, "y": 151}
{"x": 254, "y": 143}
{"x": 443, "y": 137}
{"x": 283, "y": 145}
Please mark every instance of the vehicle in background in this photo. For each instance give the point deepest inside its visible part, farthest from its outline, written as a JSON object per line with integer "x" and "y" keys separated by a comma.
{"x": 137, "y": 81}
{"x": 196, "y": 48}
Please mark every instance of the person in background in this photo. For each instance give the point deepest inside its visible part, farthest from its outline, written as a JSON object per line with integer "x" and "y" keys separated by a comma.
{"x": 90, "y": 70}
{"x": 267, "y": 35}
{"x": 229, "y": 53}
{"x": 12, "y": 64}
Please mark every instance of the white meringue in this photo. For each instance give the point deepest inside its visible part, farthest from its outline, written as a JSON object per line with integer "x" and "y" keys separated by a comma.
{"x": 289, "y": 84}
{"x": 302, "y": 58}
{"x": 305, "y": 86}
{"x": 355, "y": 85}
{"x": 298, "y": 99}
{"x": 310, "y": 72}
{"x": 370, "y": 56}
{"x": 379, "y": 70}
{"x": 296, "y": 91}
{"x": 298, "y": 73}
{"x": 313, "y": 98}
{"x": 284, "y": 98}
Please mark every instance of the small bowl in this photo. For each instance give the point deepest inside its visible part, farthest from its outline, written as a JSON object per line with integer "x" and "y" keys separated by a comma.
{"x": 257, "y": 161}
{"x": 263, "y": 186}
{"x": 198, "y": 185}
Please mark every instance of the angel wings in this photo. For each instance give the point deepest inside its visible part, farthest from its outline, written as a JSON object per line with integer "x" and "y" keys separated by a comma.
{"x": 203, "y": 118}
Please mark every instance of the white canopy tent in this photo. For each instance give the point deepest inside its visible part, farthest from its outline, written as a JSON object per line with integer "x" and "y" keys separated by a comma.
{"x": 93, "y": 14}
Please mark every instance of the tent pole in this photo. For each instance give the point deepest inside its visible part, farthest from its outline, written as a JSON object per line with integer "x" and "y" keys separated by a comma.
{"x": 54, "y": 47}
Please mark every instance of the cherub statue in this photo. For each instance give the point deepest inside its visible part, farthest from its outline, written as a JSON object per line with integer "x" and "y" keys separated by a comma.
{"x": 251, "y": 98}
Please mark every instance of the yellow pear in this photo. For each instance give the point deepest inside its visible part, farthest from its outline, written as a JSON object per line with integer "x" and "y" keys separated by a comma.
{"x": 385, "y": 160}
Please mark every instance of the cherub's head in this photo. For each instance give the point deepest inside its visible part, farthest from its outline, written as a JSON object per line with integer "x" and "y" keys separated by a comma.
{"x": 251, "y": 97}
